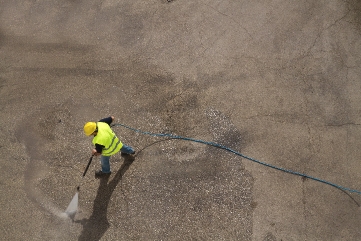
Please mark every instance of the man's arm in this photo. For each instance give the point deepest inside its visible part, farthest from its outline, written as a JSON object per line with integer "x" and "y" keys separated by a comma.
{"x": 97, "y": 150}
{"x": 107, "y": 120}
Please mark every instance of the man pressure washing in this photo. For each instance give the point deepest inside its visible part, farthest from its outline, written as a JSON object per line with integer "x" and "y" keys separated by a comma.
{"x": 106, "y": 143}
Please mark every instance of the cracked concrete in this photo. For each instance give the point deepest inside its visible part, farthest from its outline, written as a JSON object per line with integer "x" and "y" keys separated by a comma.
{"x": 278, "y": 81}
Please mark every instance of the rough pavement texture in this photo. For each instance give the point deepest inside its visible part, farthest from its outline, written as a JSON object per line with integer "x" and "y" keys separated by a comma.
{"x": 276, "y": 80}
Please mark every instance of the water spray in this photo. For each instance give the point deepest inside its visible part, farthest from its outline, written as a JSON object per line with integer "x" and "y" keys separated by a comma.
{"x": 73, "y": 205}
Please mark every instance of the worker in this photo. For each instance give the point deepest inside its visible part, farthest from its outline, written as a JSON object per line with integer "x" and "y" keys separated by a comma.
{"x": 106, "y": 143}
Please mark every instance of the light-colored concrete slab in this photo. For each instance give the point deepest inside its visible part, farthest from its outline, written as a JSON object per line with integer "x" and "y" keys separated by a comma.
{"x": 278, "y": 81}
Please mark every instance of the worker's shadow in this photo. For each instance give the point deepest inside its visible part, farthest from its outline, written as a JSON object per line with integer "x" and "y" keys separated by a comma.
{"x": 97, "y": 224}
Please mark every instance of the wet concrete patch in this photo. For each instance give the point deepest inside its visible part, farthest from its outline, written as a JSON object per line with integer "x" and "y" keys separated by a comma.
{"x": 173, "y": 198}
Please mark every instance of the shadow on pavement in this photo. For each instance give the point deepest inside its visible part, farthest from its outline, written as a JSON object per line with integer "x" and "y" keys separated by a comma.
{"x": 97, "y": 224}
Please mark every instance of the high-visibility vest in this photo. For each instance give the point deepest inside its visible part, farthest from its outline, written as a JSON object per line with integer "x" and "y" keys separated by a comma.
{"x": 108, "y": 139}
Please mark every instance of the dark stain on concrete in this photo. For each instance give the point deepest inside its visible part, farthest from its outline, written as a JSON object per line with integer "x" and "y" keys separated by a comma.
{"x": 355, "y": 14}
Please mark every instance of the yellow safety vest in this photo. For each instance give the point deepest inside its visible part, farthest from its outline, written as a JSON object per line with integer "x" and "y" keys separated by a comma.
{"x": 108, "y": 139}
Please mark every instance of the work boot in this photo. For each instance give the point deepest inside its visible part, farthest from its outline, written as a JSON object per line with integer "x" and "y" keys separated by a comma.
{"x": 127, "y": 154}
{"x": 99, "y": 174}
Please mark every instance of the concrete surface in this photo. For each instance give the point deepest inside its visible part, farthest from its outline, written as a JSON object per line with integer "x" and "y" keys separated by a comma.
{"x": 276, "y": 80}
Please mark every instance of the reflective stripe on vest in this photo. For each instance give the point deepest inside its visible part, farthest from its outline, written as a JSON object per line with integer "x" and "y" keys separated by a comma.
{"x": 108, "y": 139}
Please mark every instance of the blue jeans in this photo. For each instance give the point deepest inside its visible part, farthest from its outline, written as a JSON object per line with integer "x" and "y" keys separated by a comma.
{"x": 104, "y": 160}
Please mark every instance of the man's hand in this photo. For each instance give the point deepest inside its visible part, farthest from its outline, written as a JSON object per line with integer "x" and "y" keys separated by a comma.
{"x": 112, "y": 118}
{"x": 95, "y": 153}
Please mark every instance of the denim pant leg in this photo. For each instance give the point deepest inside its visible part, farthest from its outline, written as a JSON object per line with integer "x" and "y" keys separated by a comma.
{"x": 104, "y": 162}
{"x": 126, "y": 149}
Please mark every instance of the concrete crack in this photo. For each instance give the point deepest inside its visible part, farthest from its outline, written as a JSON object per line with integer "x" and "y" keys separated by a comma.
{"x": 324, "y": 29}
{"x": 231, "y": 18}
{"x": 344, "y": 124}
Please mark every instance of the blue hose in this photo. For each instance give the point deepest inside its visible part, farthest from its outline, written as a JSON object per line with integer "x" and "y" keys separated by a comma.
{"x": 239, "y": 154}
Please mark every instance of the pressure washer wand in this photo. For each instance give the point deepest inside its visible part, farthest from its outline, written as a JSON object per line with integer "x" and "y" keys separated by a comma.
{"x": 86, "y": 169}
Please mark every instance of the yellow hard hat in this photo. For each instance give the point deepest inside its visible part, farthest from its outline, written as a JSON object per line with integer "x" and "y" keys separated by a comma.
{"x": 89, "y": 128}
